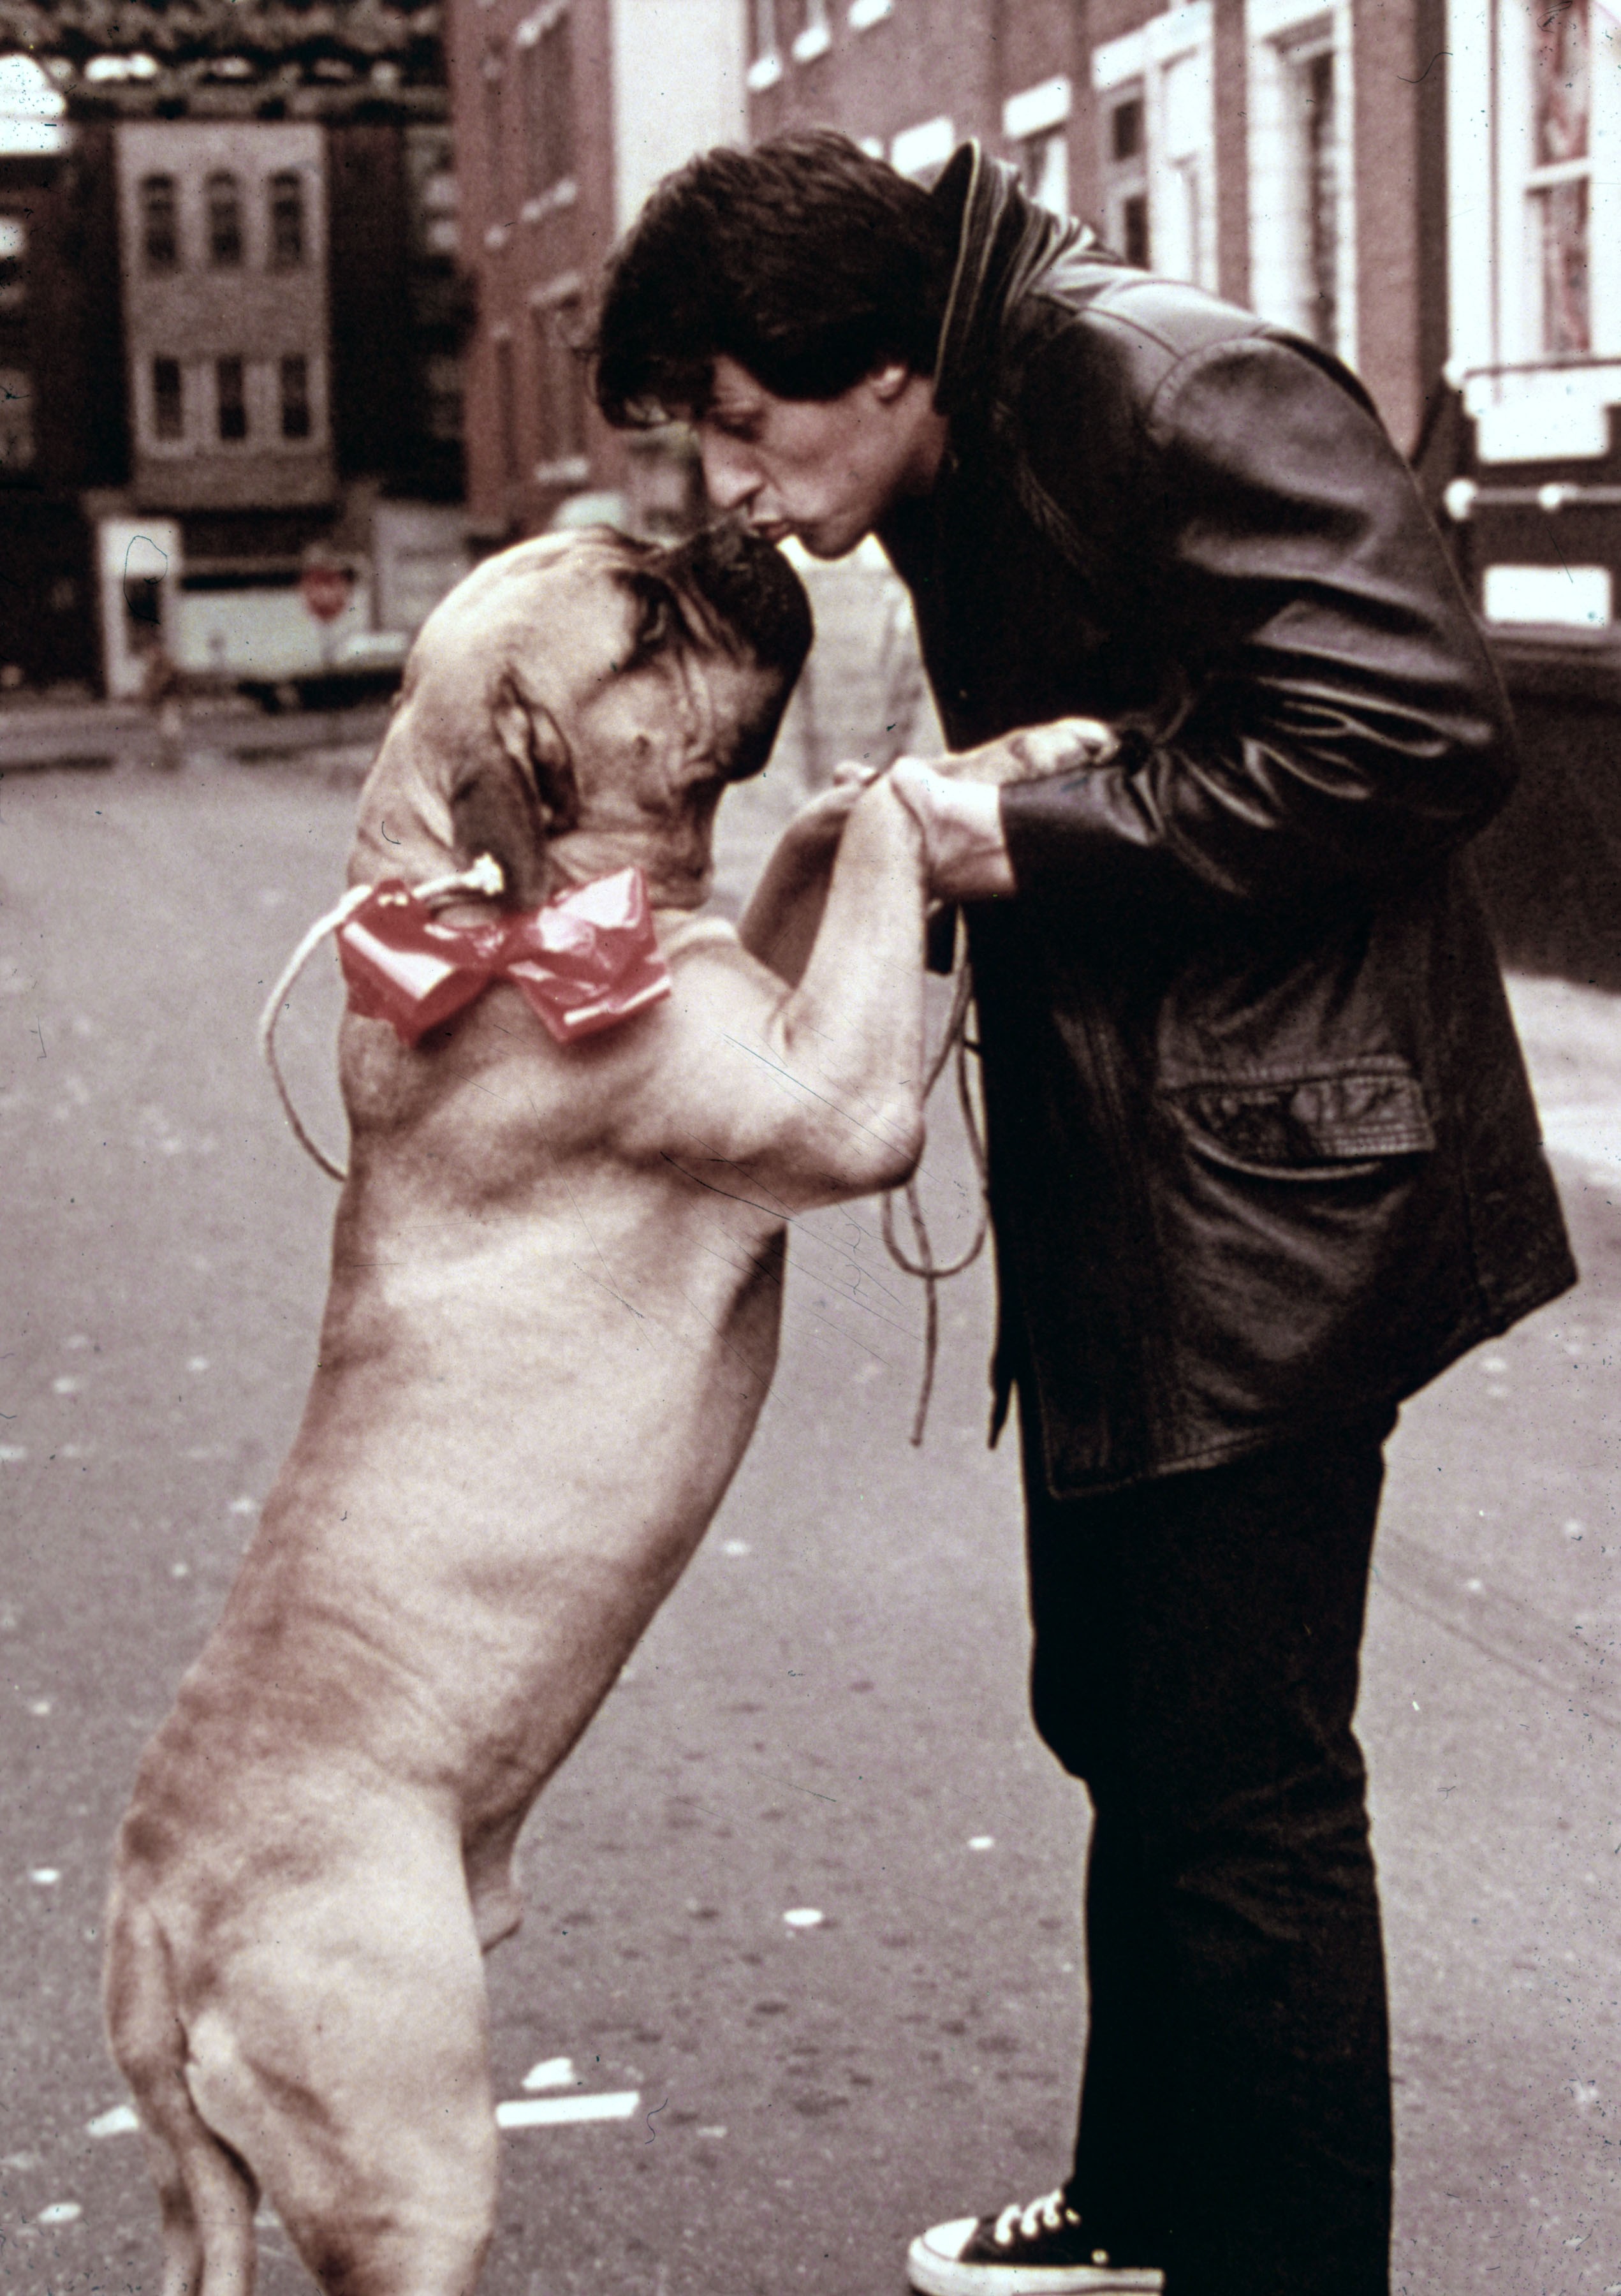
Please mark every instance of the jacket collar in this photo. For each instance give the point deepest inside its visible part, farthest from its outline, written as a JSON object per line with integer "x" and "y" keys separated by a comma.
{"x": 1006, "y": 242}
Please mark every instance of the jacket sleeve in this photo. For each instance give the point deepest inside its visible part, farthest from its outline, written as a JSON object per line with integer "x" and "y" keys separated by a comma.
{"x": 1343, "y": 720}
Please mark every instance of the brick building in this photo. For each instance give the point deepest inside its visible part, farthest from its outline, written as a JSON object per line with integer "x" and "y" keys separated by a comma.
{"x": 61, "y": 414}
{"x": 263, "y": 235}
{"x": 567, "y": 113}
{"x": 1284, "y": 152}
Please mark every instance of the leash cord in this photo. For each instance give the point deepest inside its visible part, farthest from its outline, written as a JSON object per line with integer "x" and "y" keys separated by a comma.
{"x": 925, "y": 1266}
{"x": 484, "y": 877}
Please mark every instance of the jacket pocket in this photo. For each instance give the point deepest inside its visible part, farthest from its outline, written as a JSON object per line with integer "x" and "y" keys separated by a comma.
{"x": 1339, "y": 1125}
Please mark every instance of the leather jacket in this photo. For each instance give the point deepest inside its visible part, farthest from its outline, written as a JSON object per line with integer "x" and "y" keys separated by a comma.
{"x": 1263, "y": 1152}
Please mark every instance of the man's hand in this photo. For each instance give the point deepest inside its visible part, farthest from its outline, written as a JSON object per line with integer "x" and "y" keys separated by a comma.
{"x": 956, "y": 804}
{"x": 964, "y": 853}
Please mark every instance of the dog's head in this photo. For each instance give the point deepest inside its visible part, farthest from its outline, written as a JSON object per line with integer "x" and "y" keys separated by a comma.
{"x": 579, "y": 703}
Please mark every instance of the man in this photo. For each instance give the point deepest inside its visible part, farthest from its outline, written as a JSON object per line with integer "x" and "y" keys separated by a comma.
{"x": 1263, "y": 1158}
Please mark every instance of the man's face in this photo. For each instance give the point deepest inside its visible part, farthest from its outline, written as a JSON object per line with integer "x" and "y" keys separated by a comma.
{"x": 825, "y": 470}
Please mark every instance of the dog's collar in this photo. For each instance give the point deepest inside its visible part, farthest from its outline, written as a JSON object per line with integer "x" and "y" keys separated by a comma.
{"x": 582, "y": 962}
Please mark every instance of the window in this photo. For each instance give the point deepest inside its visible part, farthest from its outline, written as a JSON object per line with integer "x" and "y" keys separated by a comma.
{"x": 231, "y": 398}
{"x": 1560, "y": 175}
{"x": 494, "y": 131}
{"x": 766, "y": 65}
{"x": 443, "y": 388}
{"x": 1156, "y": 107}
{"x": 548, "y": 104}
{"x": 1303, "y": 218}
{"x": 168, "y": 399}
{"x": 1044, "y": 162}
{"x": 159, "y": 236}
{"x": 224, "y": 213}
{"x": 1126, "y": 176}
{"x": 506, "y": 407}
{"x": 16, "y": 419}
{"x": 13, "y": 256}
{"x": 1036, "y": 123}
{"x": 562, "y": 388}
{"x": 286, "y": 220}
{"x": 295, "y": 395}
{"x": 814, "y": 37}
{"x": 1319, "y": 177}
{"x": 922, "y": 152}
{"x": 1183, "y": 234}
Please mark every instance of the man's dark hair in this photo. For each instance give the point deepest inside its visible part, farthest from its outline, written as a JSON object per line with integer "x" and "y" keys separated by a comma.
{"x": 805, "y": 260}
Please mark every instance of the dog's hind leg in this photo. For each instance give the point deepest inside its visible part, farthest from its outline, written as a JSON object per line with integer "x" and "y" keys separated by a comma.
{"x": 343, "y": 2051}
{"x": 206, "y": 2194}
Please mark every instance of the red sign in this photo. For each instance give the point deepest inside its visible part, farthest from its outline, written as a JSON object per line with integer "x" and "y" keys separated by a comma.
{"x": 325, "y": 590}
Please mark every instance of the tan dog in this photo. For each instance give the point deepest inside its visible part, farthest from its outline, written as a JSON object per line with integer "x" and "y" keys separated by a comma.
{"x": 552, "y": 1324}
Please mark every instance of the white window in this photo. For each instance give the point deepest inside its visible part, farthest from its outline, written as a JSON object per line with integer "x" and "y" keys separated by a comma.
{"x": 1036, "y": 123}
{"x": 766, "y": 51}
{"x": 815, "y": 35}
{"x": 1302, "y": 189}
{"x": 1558, "y": 179}
{"x": 1534, "y": 146}
{"x": 1156, "y": 112}
{"x": 922, "y": 152}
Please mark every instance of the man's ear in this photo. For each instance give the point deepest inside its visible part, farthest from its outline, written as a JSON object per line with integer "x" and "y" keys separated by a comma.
{"x": 510, "y": 804}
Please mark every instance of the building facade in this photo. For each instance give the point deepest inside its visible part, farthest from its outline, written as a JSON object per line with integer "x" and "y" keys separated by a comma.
{"x": 62, "y": 410}
{"x": 239, "y": 273}
{"x": 567, "y": 113}
{"x": 1273, "y": 150}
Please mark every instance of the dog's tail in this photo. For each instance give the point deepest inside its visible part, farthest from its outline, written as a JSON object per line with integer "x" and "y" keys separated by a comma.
{"x": 206, "y": 2192}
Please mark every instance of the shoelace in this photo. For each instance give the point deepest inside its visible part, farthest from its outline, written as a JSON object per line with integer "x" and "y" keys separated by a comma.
{"x": 1051, "y": 2213}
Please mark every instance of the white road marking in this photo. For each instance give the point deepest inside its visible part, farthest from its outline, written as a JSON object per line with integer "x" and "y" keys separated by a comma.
{"x": 982, "y": 1841}
{"x": 552, "y": 2072}
{"x": 44, "y": 1876}
{"x": 803, "y": 1917}
{"x": 548, "y": 2111}
{"x": 60, "y": 2212}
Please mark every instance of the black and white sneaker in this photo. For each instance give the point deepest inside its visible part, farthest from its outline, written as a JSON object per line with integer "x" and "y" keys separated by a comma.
{"x": 1044, "y": 2250}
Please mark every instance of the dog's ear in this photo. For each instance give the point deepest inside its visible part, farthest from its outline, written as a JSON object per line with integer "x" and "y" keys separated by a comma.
{"x": 509, "y": 805}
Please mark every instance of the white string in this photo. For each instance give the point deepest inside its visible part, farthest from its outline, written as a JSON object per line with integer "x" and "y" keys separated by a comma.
{"x": 925, "y": 1266}
{"x": 484, "y": 877}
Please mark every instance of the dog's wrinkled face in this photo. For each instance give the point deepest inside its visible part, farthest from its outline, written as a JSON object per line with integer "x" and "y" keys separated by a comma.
{"x": 581, "y": 702}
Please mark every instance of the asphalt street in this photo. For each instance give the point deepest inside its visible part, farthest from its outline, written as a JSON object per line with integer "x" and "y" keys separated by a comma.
{"x": 807, "y": 1890}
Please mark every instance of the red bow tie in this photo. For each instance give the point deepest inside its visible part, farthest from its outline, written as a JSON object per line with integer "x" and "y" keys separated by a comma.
{"x": 583, "y": 962}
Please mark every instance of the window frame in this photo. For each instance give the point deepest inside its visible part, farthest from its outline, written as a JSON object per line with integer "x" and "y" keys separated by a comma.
{"x": 222, "y": 199}
{"x": 297, "y": 367}
{"x": 158, "y": 191}
{"x": 278, "y": 206}
{"x": 162, "y": 368}
{"x": 231, "y": 404}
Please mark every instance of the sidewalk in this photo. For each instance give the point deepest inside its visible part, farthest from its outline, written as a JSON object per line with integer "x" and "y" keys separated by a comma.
{"x": 1572, "y": 1040}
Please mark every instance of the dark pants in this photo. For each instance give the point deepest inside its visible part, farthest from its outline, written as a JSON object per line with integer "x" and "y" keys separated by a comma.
{"x": 1196, "y": 1664}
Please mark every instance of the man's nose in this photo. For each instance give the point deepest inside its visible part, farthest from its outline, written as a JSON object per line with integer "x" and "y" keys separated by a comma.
{"x": 729, "y": 480}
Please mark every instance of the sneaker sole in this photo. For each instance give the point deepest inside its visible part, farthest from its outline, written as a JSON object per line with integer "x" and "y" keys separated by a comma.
{"x": 934, "y": 2275}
